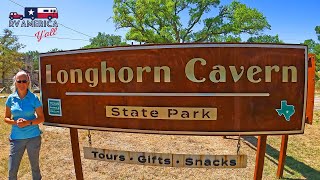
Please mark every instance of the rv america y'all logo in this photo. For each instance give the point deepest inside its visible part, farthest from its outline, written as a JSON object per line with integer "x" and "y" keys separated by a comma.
{"x": 36, "y": 17}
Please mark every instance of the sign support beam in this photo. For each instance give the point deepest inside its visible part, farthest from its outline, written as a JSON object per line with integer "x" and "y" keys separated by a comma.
{"x": 311, "y": 87}
{"x": 76, "y": 153}
{"x": 261, "y": 150}
{"x": 282, "y": 155}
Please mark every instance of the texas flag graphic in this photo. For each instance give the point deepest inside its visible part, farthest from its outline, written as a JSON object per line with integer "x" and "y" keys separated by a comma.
{"x": 40, "y": 12}
{"x": 31, "y": 12}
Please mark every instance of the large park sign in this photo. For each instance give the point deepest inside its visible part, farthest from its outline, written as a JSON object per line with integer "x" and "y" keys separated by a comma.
{"x": 200, "y": 89}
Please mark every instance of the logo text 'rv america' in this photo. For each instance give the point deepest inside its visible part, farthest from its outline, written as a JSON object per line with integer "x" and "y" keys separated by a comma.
{"x": 36, "y": 17}
{"x": 44, "y": 16}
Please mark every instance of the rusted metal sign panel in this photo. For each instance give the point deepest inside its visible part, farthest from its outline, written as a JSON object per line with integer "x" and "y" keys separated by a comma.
{"x": 166, "y": 160}
{"x": 200, "y": 89}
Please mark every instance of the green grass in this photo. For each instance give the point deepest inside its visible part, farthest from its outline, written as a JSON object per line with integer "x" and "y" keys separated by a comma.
{"x": 302, "y": 161}
{"x": 317, "y": 87}
{"x": 4, "y": 131}
{"x": 303, "y": 153}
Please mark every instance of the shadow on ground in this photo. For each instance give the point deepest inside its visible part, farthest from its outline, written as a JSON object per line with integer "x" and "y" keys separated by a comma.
{"x": 272, "y": 154}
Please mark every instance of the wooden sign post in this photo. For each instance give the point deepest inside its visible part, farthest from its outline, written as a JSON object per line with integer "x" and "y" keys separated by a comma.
{"x": 282, "y": 155}
{"x": 76, "y": 153}
{"x": 188, "y": 89}
{"x": 261, "y": 151}
{"x": 309, "y": 115}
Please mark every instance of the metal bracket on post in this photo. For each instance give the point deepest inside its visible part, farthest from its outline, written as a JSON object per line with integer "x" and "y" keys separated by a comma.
{"x": 89, "y": 138}
{"x": 238, "y": 145}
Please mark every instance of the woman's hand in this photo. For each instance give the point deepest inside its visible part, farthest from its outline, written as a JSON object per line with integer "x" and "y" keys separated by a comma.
{"x": 22, "y": 123}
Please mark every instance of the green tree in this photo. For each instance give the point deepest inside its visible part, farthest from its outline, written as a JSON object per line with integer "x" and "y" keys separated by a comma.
{"x": 161, "y": 21}
{"x": 317, "y": 29}
{"x": 103, "y": 40}
{"x": 314, "y": 47}
{"x": 55, "y": 50}
{"x": 34, "y": 55}
{"x": 10, "y": 58}
{"x": 311, "y": 45}
{"x": 265, "y": 39}
{"x": 224, "y": 38}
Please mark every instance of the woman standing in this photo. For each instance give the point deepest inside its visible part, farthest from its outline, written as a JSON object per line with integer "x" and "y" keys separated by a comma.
{"x": 21, "y": 107}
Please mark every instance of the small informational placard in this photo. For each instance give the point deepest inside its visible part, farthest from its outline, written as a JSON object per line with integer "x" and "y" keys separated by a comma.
{"x": 54, "y": 107}
{"x": 167, "y": 160}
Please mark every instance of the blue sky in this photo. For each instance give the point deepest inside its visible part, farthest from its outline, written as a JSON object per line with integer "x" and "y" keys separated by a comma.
{"x": 294, "y": 21}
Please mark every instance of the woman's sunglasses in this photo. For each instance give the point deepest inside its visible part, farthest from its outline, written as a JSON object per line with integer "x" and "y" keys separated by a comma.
{"x": 21, "y": 81}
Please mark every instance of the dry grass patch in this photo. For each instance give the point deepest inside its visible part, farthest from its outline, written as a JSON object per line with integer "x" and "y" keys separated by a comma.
{"x": 4, "y": 145}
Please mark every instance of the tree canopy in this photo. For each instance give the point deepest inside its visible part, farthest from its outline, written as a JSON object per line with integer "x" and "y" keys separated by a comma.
{"x": 317, "y": 29}
{"x": 163, "y": 21}
{"x": 10, "y": 58}
{"x": 103, "y": 40}
{"x": 314, "y": 47}
{"x": 265, "y": 39}
{"x": 34, "y": 56}
{"x": 55, "y": 50}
